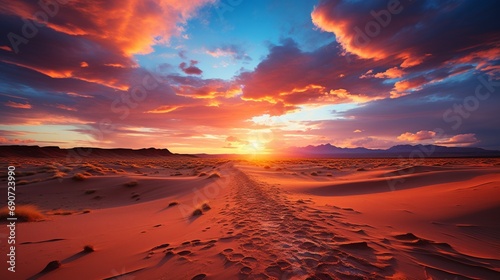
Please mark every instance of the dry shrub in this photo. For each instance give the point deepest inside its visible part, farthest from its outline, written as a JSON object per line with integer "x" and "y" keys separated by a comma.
{"x": 80, "y": 177}
{"x": 174, "y": 203}
{"x": 214, "y": 175}
{"x": 131, "y": 184}
{"x": 24, "y": 213}
{"x": 197, "y": 212}
{"x": 205, "y": 207}
{"x": 88, "y": 248}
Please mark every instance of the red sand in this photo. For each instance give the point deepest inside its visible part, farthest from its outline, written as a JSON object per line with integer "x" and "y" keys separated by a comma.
{"x": 288, "y": 219}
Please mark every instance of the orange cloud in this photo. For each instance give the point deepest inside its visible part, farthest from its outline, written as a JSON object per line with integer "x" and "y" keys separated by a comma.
{"x": 163, "y": 109}
{"x": 343, "y": 96}
{"x": 367, "y": 34}
{"x": 133, "y": 26}
{"x": 404, "y": 87}
{"x": 390, "y": 73}
{"x": 18, "y": 105}
{"x": 460, "y": 140}
{"x": 419, "y": 136}
{"x": 344, "y": 34}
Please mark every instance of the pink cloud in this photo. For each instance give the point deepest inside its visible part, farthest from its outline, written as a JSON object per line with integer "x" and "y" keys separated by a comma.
{"x": 8, "y": 141}
{"x": 18, "y": 105}
{"x": 460, "y": 140}
{"x": 415, "y": 137}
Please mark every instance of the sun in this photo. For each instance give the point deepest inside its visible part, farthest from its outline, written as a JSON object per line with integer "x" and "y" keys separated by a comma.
{"x": 255, "y": 145}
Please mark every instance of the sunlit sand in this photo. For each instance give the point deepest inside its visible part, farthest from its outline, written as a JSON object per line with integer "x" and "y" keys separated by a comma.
{"x": 190, "y": 218}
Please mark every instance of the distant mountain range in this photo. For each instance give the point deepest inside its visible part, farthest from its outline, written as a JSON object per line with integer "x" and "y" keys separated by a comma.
{"x": 414, "y": 151}
{"x": 82, "y": 152}
{"x": 320, "y": 151}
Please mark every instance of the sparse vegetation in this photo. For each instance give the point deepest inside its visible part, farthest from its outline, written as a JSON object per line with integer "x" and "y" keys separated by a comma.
{"x": 88, "y": 248}
{"x": 205, "y": 207}
{"x": 131, "y": 184}
{"x": 61, "y": 212}
{"x": 24, "y": 213}
{"x": 197, "y": 212}
{"x": 174, "y": 203}
{"x": 79, "y": 177}
{"x": 214, "y": 175}
{"x": 53, "y": 265}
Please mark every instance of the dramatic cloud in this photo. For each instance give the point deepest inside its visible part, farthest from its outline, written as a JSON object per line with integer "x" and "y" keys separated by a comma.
{"x": 96, "y": 39}
{"x": 416, "y": 137}
{"x": 460, "y": 140}
{"x": 124, "y": 73}
{"x": 129, "y": 26}
{"x": 413, "y": 32}
{"x": 294, "y": 77}
{"x": 390, "y": 73}
{"x": 191, "y": 69}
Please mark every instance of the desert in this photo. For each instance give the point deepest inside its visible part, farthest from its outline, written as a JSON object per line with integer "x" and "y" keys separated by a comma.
{"x": 195, "y": 218}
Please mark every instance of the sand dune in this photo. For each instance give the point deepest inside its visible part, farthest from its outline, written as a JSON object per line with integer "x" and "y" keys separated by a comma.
{"x": 288, "y": 219}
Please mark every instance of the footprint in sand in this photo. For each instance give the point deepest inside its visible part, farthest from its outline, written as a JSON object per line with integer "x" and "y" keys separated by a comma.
{"x": 184, "y": 253}
{"x": 248, "y": 246}
{"x": 274, "y": 271}
{"x": 199, "y": 277}
{"x": 249, "y": 260}
{"x": 246, "y": 270}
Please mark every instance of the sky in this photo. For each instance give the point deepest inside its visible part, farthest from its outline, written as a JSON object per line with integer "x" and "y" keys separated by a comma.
{"x": 241, "y": 76}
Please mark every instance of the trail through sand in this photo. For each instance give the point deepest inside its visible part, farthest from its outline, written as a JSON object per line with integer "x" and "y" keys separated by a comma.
{"x": 291, "y": 240}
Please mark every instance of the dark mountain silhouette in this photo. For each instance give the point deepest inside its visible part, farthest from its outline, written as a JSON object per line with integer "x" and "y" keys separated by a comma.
{"x": 413, "y": 151}
{"x": 81, "y": 152}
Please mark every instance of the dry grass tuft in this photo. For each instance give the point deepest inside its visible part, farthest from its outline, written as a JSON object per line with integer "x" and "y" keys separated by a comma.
{"x": 53, "y": 265}
{"x": 131, "y": 184}
{"x": 80, "y": 177}
{"x": 24, "y": 213}
{"x": 205, "y": 207}
{"x": 88, "y": 248}
{"x": 174, "y": 203}
{"x": 214, "y": 175}
{"x": 197, "y": 212}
